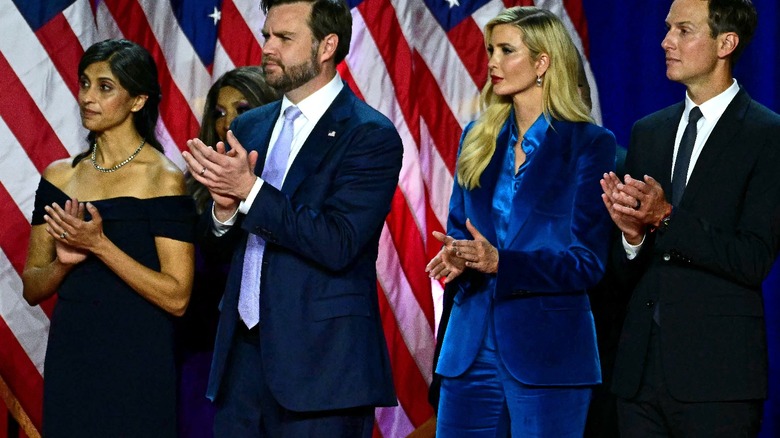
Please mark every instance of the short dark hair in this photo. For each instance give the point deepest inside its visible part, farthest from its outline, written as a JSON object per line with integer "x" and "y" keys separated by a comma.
{"x": 327, "y": 17}
{"x": 738, "y": 16}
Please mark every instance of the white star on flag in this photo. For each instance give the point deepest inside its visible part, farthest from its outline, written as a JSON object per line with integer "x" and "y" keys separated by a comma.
{"x": 216, "y": 15}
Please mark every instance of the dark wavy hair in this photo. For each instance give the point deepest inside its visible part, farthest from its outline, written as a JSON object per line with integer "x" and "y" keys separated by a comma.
{"x": 250, "y": 82}
{"x": 327, "y": 17}
{"x": 136, "y": 71}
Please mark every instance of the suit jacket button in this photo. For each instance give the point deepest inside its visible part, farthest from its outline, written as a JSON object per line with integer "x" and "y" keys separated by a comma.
{"x": 649, "y": 304}
{"x": 667, "y": 257}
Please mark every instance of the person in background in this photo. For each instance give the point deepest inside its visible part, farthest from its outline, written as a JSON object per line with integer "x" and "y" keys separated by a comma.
{"x": 301, "y": 197}
{"x": 699, "y": 212}
{"x": 234, "y": 93}
{"x": 526, "y": 238}
{"x": 121, "y": 263}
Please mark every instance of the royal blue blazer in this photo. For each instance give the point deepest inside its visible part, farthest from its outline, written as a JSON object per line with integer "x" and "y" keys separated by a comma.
{"x": 556, "y": 248}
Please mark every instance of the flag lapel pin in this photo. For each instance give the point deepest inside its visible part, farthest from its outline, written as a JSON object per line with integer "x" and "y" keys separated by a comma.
{"x": 331, "y": 133}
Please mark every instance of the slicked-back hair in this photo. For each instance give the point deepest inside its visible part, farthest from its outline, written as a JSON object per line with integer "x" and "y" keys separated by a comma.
{"x": 738, "y": 16}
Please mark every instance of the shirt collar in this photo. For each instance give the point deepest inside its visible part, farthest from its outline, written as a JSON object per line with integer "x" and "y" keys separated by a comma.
{"x": 716, "y": 106}
{"x": 536, "y": 131}
{"x": 315, "y": 105}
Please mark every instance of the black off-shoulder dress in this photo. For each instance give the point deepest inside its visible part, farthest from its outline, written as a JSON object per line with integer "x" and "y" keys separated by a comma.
{"x": 109, "y": 368}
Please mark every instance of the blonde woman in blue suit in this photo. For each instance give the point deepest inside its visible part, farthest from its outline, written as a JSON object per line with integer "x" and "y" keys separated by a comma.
{"x": 526, "y": 236}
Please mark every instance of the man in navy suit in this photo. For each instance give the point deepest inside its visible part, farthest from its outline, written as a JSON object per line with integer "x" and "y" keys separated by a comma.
{"x": 316, "y": 363}
{"x": 699, "y": 211}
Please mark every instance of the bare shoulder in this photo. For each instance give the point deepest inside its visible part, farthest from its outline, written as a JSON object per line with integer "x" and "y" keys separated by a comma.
{"x": 167, "y": 179}
{"x": 59, "y": 172}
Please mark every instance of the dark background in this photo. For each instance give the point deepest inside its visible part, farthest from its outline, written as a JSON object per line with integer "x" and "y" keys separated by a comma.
{"x": 628, "y": 62}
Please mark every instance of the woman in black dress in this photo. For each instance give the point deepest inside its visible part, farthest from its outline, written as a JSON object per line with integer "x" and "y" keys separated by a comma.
{"x": 121, "y": 263}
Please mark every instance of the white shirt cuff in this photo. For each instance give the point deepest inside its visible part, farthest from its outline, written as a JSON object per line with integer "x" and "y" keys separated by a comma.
{"x": 631, "y": 250}
{"x": 219, "y": 228}
{"x": 246, "y": 204}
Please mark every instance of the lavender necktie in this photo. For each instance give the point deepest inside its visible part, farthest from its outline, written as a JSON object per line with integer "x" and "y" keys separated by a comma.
{"x": 273, "y": 173}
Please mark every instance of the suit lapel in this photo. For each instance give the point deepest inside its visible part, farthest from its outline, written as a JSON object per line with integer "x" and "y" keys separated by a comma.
{"x": 326, "y": 133}
{"x": 545, "y": 167}
{"x": 266, "y": 125}
{"x": 482, "y": 197}
{"x": 718, "y": 143}
{"x": 668, "y": 133}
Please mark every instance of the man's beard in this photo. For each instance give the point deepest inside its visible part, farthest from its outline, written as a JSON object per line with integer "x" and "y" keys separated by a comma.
{"x": 294, "y": 76}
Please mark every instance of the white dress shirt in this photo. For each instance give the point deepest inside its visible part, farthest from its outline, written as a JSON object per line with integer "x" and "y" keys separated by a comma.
{"x": 711, "y": 111}
{"x": 312, "y": 109}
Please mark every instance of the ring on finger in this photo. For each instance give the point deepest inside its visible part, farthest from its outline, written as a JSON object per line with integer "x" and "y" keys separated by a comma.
{"x": 202, "y": 171}
{"x": 64, "y": 235}
{"x": 638, "y": 204}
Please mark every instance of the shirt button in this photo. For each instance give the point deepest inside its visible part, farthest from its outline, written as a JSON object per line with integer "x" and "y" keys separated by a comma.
{"x": 667, "y": 257}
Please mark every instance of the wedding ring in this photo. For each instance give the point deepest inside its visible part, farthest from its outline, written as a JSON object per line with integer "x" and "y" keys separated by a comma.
{"x": 202, "y": 171}
{"x": 638, "y": 204}
{"x": 64, "y": 235}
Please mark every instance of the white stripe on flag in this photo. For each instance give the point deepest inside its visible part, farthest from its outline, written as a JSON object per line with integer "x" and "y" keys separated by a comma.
{"x": 28, "y": 324}
{"x": 84, "y": 29}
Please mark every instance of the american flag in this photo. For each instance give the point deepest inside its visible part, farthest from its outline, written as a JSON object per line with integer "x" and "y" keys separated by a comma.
{"x": 420, "y": 62}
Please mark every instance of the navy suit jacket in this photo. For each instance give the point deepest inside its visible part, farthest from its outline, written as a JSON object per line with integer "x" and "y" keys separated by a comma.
{"x": 556, "y": 248}
{"x": 705, "y": 270}
{"x": 321, "y": 337}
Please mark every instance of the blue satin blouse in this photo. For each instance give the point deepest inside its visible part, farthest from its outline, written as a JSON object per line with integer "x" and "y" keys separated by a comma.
{"x": 509, "y": 180}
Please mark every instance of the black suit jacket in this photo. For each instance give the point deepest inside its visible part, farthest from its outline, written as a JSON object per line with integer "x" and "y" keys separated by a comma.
{"x": 706, "y": 269}
{"x": 322, "y": 342}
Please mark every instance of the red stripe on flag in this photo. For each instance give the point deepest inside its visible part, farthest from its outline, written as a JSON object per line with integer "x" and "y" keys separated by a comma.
{"x": 411, "y": 388}
{"x": 467, "y": 40}
{"x": 442, "y": 125}
{"x": 511, "y": 3}
{"x": 15, "y": 232}
{"x": 21, "y": 375}
{"x": 346, "y": 75}
{"x": 64, "y": 48}
{"x": 412, "y": 255}
{"x": 433, "y": 245}
{"x": 577, "y": 15}
{"x": 383, "y": 25}
{"x": 237, "y": 38}
{"x": 14, "y": 237}
{"x": 29, "y": 126}
{"x": 174, "y": 109}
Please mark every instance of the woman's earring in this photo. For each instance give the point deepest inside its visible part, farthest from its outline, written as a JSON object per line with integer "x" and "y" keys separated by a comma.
{"x": 538, "y": 81}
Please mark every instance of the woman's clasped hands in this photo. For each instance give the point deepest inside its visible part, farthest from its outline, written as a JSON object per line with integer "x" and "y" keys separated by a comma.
{"x": 74, "y": 237}
{"x": 457, "y": 255}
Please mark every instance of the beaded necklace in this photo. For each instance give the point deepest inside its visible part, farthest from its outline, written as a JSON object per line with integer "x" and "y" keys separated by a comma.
{"x": 118, "y": 166}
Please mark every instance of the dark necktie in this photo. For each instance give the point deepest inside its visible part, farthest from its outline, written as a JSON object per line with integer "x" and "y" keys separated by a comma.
{"x": 273, "y": 173}
{"x": 683, "y": 160}
{"x": 680, "y": 174}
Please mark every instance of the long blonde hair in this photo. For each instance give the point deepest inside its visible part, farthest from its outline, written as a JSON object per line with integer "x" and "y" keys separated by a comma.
{"x": 543, "y": 33}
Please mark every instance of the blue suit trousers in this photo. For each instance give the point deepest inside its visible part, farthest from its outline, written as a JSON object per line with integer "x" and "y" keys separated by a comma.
{"x": 487, "y": 401}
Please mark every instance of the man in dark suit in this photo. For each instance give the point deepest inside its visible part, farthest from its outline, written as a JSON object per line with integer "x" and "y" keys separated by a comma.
{"x": 316, "y": 363}
{"x": 699, "y": 211}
